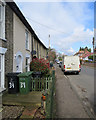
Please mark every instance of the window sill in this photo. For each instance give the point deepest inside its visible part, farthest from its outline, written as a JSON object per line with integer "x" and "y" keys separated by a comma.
{"x": 28, "y": 50}
{"x": 3, "y": 39}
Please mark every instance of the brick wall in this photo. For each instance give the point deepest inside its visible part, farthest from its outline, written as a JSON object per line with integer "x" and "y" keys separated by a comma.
{"x": 9, "y": 37}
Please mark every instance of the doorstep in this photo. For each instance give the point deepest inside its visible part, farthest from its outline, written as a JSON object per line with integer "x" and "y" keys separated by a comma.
{"x": 2, "y": 90}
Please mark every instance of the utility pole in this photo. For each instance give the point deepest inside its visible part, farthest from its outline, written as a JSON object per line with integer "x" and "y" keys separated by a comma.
{"x": 93, "y": 50}
{"x": 49, "y": 46}
{"x": 49, "y": 41}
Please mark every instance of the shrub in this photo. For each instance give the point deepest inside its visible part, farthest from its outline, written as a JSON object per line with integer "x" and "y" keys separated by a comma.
{"x": 40, "y": 65}
{"x": 90, "y": 57}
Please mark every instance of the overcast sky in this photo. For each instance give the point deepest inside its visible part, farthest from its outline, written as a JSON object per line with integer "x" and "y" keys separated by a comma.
{"x": 70, "y": 24}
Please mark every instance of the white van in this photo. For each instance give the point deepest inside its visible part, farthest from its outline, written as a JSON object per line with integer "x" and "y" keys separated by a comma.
{"x": 71, "y": 64}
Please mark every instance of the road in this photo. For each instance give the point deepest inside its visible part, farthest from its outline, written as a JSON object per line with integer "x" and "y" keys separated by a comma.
{"x": 67, "y": 103}
{"x": 84, "y": 82}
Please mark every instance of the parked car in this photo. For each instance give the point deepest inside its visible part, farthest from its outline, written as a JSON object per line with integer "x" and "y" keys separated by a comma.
{"x": 60, "y": 64}
{"x": 71, "y": 64}
{"x": 57, "y": 61}
{"x": 90, "y": 60}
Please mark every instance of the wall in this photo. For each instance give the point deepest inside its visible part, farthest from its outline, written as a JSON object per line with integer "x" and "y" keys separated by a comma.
{"x": 9, "y": 42}
{"x": 19, "y": 42}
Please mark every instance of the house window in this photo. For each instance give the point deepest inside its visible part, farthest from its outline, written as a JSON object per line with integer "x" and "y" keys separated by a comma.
{"x": 34, "y": 45}
{"x": 27, "y": 64}
{"x": 2, "y": 21}
{"x": 1, "y": 71}
{"x": 27, "y": 39}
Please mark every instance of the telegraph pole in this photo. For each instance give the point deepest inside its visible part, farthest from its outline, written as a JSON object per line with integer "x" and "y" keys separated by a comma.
{"x": 49, "y": 41}
{"x": 93, "y": 50}
{"x": 49, "y": 47}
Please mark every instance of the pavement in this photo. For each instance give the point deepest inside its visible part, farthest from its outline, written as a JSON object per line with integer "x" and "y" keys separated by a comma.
{"x": 68, "y": 104}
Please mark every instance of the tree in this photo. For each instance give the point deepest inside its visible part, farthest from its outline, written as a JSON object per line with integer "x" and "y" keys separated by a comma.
{"x": 90, "y": 57}
{"x": 60, "y": 58}
{"x": 52, "y": 55}
{"x": 89, "y": 49}
{"x": 82, "y": 49}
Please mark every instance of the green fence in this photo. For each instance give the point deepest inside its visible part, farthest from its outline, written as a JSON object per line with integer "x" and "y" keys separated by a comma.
{"x": 50, "y": 97}
{"x": 47, "y": 84}
{"x": 39, "y": 84}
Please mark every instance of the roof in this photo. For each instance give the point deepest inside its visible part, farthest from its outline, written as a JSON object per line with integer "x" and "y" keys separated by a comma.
{"x": 80, "y": 52}
{"x": 87, "y": 54}
{"x": 17, "y": 11}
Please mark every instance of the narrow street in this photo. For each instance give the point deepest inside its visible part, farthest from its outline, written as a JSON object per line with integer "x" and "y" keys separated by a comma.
{"x": 68, "y": 104}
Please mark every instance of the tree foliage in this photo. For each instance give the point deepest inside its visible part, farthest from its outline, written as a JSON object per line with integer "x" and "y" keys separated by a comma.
{"x": 60, "y": 58}
{"x": 52, "y": 55}
{"x": 82, "y": 48}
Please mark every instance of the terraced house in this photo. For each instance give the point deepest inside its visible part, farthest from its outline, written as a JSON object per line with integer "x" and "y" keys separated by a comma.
{"x": 17, "y": 42}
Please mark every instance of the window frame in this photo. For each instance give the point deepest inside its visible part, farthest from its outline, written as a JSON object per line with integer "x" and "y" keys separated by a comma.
{"x": 2, "y": 82}
{"x": 26, "y": 39}
{"x": 2, "y": 21}
{"x": 27, "y": 64}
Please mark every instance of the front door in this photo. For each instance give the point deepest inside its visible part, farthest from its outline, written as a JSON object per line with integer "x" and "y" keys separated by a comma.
{"x": 19, "y": 63}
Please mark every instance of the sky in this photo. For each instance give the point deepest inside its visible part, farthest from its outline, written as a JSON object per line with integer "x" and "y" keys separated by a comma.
{"x": 70, "y": 24}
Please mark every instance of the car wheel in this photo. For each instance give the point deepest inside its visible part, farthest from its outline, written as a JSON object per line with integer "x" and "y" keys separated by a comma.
{"x": 77, "y": 73}
{"x": 64, "y": 73}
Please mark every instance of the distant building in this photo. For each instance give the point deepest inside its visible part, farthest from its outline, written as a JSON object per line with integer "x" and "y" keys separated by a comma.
{"x": 80, "y": 53}
{"x": 84, "y": 54}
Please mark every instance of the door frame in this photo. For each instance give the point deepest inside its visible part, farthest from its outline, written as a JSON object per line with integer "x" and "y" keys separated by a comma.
{"x": 2, "y": 54}
{"x": 17, "y": 55}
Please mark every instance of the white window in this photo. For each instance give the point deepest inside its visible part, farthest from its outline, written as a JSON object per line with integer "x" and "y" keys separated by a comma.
{"x": 34, "y": 45}
{"x": 27, "y": 64}
{"x": 1, "y": 71}
{"x": 2, "y": 21}
{"x": 27, "y": 39}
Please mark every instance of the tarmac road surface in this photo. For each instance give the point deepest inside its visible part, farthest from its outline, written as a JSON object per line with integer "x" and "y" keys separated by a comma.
{"x": 85, "y": 82}
{"x": 68, "y": 104}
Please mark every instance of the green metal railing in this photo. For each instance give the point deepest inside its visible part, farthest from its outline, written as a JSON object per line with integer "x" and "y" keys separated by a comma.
{"x": 39, "y": 84}
{"x": 46, "y": 85}
{"x": 50, "y": 97}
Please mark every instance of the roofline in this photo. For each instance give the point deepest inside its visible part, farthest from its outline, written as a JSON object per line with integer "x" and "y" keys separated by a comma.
{"x": 17, "y": 11}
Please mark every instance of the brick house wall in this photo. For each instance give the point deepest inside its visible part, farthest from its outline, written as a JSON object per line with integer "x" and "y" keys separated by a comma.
{"x": 9, "y": 43}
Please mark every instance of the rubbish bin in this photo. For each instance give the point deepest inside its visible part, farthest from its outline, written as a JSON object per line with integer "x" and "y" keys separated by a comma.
{"x": 25, "y": 84}
{"x": 13, "y": 83}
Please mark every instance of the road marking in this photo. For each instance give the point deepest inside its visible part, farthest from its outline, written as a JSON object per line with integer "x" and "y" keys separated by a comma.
{"x": 65, "y": 76}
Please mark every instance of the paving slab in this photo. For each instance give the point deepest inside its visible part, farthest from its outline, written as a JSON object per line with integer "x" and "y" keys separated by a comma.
{"x": 68, "y": 104}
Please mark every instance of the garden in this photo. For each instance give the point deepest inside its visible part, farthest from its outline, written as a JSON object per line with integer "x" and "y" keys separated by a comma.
{"x": 36, "y": 89}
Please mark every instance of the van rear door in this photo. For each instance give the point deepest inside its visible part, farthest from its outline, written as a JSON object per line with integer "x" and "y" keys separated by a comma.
{"x": 71, "y": 63}
{"x": 75, "y": 63}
